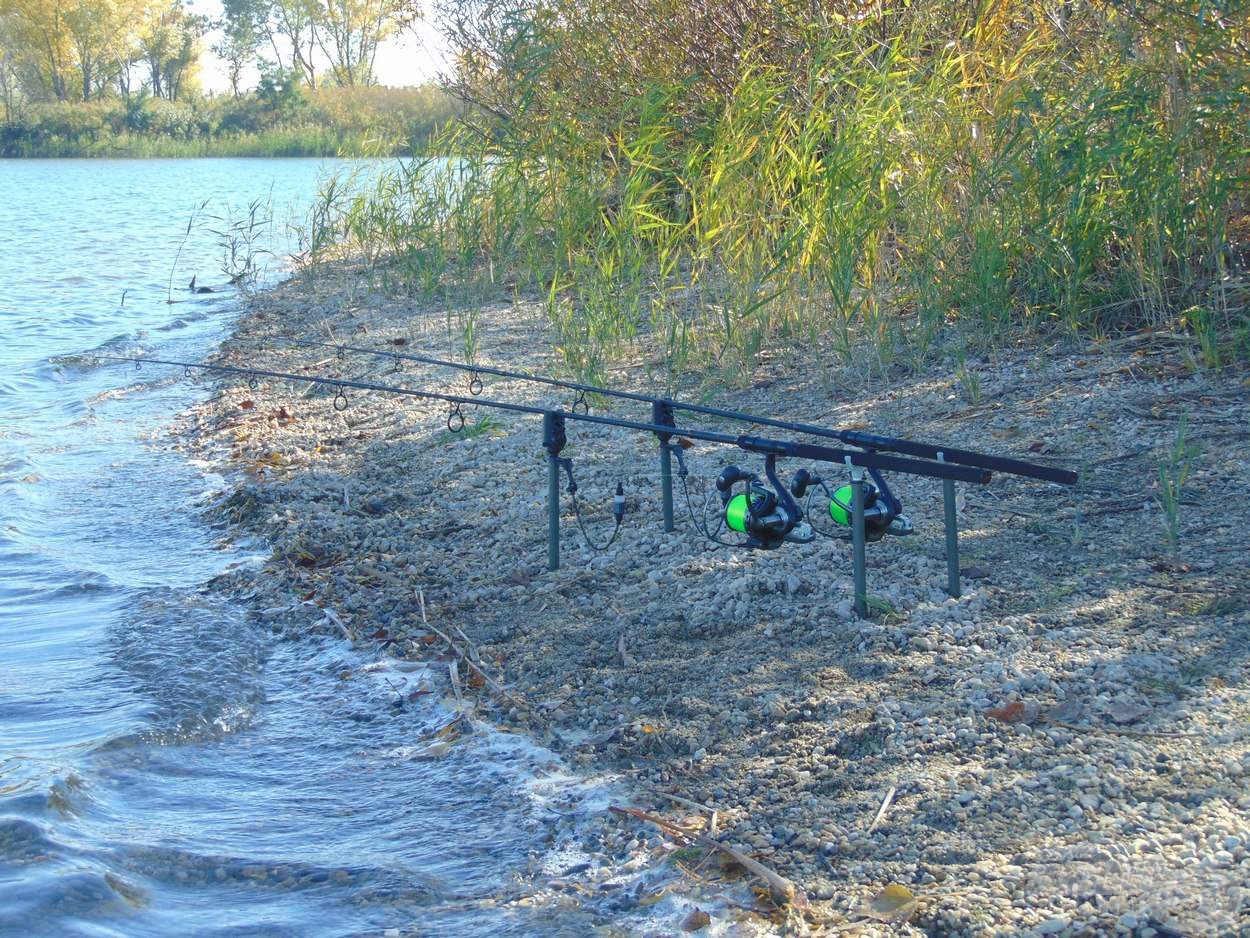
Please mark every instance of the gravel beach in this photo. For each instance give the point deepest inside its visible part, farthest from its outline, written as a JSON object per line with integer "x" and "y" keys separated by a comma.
{"x": 1064, "y": 750}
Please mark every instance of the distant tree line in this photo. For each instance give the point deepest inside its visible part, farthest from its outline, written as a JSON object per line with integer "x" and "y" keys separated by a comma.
{"x": 87, "y": 50}
{"x": 103, "y": 76}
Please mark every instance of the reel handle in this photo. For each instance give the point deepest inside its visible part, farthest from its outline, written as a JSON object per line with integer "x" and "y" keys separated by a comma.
{"x": 802, "y": 481}
{"x": 730, "y": 476}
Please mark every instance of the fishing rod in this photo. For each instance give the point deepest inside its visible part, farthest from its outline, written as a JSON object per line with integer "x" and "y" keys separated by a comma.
{"x": 752, "y": 444}
{"x": 883, "y": 508}
{"x": 766, "y": 511}
{"x": 663, "y": 408}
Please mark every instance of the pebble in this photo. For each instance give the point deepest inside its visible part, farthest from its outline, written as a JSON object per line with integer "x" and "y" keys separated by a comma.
{"x": 1053, "y": 926}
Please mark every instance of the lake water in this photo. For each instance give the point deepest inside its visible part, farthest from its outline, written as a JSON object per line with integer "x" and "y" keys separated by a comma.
{"x": 167, "y": 765}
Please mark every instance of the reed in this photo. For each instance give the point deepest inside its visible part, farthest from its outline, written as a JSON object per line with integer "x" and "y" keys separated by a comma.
{"x": 875, "y": 187}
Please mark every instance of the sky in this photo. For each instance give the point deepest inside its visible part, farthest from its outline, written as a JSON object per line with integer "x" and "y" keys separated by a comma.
{"x": 416, "y": 56}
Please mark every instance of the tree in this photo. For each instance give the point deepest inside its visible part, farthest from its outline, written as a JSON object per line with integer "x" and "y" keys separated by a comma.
{"x": 9, "y": 78}
{"x": 169, "y": 46}
{"x": 104, "y": 37}
{"x": 237, "y": 48}
{"x": 351, "y": 31}
{"x": 287, "y": 27}
{"x": 38, "y": 29}
{"x": 279, "y": 93}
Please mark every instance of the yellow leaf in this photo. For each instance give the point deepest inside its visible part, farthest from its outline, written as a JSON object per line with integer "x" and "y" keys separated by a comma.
{"x": 894, "y": 903}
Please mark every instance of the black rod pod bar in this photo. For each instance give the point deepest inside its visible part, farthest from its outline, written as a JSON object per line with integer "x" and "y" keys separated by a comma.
{"x": 867, "y": 441}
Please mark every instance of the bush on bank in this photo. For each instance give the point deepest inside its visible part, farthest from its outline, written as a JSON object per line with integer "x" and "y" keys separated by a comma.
{"x": 274, "y": 121}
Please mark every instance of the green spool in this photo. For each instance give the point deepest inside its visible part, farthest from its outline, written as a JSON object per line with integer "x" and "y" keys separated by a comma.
{"x": 736, "y": 513}
{"x": 840, "y": 506}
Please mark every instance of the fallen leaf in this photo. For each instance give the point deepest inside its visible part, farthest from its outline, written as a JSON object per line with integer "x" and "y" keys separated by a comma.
{"x": 651, "y": 898}
{"x": 1014, "y": 712}
{"x": 696, "y": 920}
{"x": 649, "y": 728}
{"x": 894, "y": 903}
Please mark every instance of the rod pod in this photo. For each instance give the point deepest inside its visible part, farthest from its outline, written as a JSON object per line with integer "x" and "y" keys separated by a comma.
{"x": 951, "y": 523}
{"x": 554, "y": 440}
{"x": 859, "y": 562}
{"x": 662, "y": 415}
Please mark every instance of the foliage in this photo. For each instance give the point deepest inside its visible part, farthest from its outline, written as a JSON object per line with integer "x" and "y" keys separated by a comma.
{"x": 719, "y": 180}
{"x": 1173, "y": 475}
{"x": 345, "y": 32}
{"x": 281, "y": 119}
{"x": 80, "y": 50}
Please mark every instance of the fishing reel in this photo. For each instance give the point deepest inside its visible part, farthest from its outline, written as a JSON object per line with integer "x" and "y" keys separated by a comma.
{"x": 882, "y": 511}
{"x": 770, "y": 514}
{"x": 767, "y": 516}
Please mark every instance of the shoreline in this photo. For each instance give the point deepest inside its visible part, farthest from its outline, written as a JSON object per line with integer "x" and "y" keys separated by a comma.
{"x": 846, "y": 756}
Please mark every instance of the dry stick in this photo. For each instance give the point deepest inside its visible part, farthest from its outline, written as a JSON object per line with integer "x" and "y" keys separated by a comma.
{"x": 334, "y": 617}
{"x": 780, "y": 889}
{"x": 1005, "y": 509}
{"x": 885, "y": 806}
{"x": 456, "y": 650}
{"x": 474, "y": 654}
{"x": 454, "y": 673}
{"x": 713, "y": 814}
{"x": 1144, "y": 734}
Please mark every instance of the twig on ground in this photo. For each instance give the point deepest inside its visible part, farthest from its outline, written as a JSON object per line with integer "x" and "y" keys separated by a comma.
{"x": 461, "y": 655}
{"x": 713, "y": 814}
{"x": 780, "y": 889}
{"x": 334, "y": 617}
{"x": 454, "y": 674}
{"x": 885, "y": 806}
{"x": 1116, "y": 731}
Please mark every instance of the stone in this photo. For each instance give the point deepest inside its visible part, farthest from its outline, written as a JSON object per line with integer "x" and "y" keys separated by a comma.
{"x": 1053, "y": 926}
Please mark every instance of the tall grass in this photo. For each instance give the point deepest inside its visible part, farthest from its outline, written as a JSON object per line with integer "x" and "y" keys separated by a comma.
{"x": 885, "y": 180}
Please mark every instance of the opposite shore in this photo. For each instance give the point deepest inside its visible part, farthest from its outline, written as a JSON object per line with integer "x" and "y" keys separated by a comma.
{"x": 1061, "y": 750}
